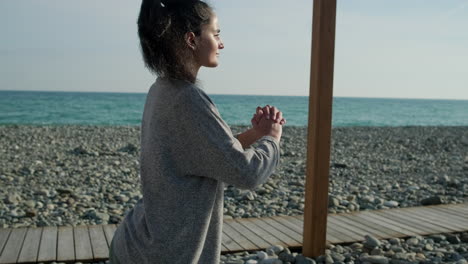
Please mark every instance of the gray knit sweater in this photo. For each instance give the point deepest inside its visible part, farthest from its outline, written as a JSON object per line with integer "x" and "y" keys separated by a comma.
{"x": 188, "y": 154}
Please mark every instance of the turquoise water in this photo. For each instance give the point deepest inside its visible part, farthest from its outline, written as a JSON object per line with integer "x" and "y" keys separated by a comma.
{"x": 65, "y": 108}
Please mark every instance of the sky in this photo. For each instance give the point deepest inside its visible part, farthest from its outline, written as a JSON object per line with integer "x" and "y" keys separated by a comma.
{"x": 386, "y": 49}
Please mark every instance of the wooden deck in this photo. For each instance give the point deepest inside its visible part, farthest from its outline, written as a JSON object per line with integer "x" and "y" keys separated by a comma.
{"x": 88, "y": 243}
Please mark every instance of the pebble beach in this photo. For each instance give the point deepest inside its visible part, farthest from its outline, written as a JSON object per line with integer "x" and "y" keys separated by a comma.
{"x": 75, "y": 175}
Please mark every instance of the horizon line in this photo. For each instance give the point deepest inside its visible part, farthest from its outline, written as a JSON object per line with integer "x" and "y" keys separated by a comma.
{"x": 271, "y": 95}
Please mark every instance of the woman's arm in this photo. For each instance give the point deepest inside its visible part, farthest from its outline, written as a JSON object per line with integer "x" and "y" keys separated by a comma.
{"x": 248, "y": 137}
{"x": 204, "y": 145}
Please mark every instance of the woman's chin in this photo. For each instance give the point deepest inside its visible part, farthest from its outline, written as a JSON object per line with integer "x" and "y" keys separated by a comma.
{"x": 213, "y": 64}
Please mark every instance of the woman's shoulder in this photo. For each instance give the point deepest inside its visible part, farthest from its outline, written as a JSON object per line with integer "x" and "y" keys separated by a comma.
{"x": 187, "y": 92}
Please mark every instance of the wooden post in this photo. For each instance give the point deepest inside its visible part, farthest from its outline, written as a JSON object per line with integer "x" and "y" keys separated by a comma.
{"x": 319, "y": 128}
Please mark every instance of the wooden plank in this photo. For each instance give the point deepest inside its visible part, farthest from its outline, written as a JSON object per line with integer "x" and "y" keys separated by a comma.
{"x": 319, "y": 128}
{"x": 255, "y": 239}
{"x": 65, "y": 244}
{"x": 453, "y": 206}
{"x": 224, "y": 239}
{"x": 428, "y": 219}
{"x": 412, "y": 222}
{"x": 260, "y": 232}
{"x": 409, "y": 219}
{"x": 362, "y": 228}
{"x": 4, "y": 234}
{"x": 285, "y": 240}
{"x": 223, "y": 248}
{"x": 332, "y": 235}
{"x": 461, "y": 206}
{"x": 83, "y": 248}
{"x": 332, "y": 232}
{"x": 344, "y": 229}
{"x": 13, "y": 246}
{"x": 376, "y": 214}
{"x": 296, "y": 237}
{"x": 109, "y": 231}
{"x": 98, "y": 242}
{"x": 48, "y": 245}
{"x": 344, "y": 223}
{"x": 240, "y": 239}
{"x": 423, "y": 219}
{"x": 30, "y": 249}
{"x": 443, "y": 219}
{"x": 229, "y": 243}
{"x": 399, "y": 216}
{"x": 297, "y": 220}
{"x": 437, "y": 223}
{"x": 453, "y": 216}
{"x": 454, "y": 211}
{"x": 295, "y": 230}
{"x": 286, "y": 222}
{"x": 392, "y": 225}
{"x": 369, "y": 221}
{"x": 461, "y": 209}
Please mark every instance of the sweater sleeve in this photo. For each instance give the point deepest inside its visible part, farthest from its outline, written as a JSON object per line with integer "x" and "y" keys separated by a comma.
{"x": 209, "y": 149}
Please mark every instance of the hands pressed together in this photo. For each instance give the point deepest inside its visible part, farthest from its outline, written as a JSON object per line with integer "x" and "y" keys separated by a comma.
{"x": 268, "y": 121}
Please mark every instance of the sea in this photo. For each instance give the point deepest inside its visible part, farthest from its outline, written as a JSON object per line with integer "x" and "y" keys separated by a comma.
{"x": 125, "y": 109}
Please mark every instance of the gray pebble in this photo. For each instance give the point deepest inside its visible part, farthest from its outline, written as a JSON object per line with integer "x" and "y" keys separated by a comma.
{"x": 375, "y": 259}
{"x": 262, "y": 255}
{"x": 391, "y": 204}
{"x": 275, "y": 250}
{"x": 300, "y": 259}
{"x": 13, "y": 198}
{"x": 412, "y": 241}
{"x": 453, "y": 239}
{"x": 286, "y": 257}
{"x": 235, "y": 261}
{"x": 271, "y": 261}
{"x": 30, "y": 203}
{"x": 394, "y": 241}
{"x": 371, "y": 242}
{"x": 433, "y": 200}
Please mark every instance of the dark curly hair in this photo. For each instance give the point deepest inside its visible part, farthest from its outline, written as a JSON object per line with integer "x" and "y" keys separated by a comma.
{"x": 162, "y": 27}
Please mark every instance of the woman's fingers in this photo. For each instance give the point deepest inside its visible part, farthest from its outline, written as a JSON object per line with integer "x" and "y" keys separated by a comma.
{"x": 279, "y": 116}
{"x": 253, "y": 121}
{"x": 258, "y": 109}
{"x": 273, "y": 112}
{"x": 266, "y": 111}
{"x": 269, "y": 112}
{"x": 258, "y": 114}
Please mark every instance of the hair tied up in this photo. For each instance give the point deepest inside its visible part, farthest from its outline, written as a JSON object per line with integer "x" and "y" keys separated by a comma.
{"x": 162, "y": 25}
{"x": 169, "y": 3}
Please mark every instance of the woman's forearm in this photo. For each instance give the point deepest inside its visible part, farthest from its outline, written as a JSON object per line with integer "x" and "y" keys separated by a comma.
{"x": 248, "y": 137}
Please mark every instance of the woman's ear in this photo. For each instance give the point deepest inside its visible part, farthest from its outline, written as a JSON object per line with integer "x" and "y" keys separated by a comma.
{"x": 190, "y": 40}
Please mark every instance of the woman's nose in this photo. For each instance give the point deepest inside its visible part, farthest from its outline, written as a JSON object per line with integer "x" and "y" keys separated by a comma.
{"x": 221, "y": 45}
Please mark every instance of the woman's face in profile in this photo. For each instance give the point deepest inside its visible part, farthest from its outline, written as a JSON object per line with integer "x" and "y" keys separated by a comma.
{"x": 209, "y": 44}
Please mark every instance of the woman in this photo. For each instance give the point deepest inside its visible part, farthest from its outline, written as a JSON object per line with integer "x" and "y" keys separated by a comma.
{"x": 188, "y": 153}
